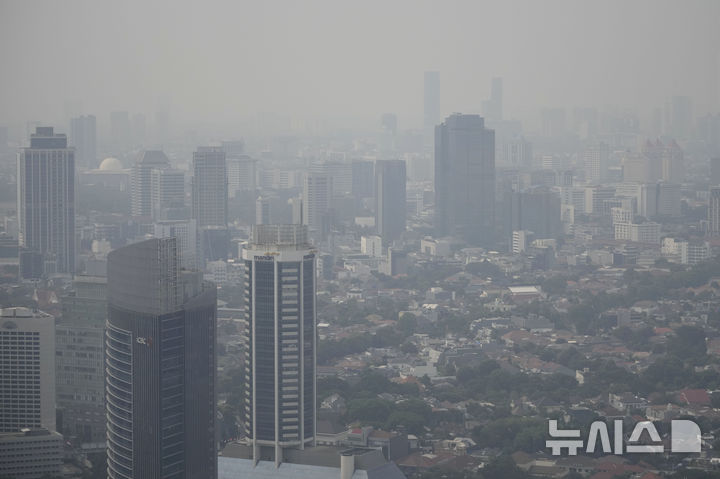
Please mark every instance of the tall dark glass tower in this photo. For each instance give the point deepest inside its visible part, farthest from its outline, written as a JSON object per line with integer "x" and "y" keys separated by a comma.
{"x": 465, "y": 179}
{"x": 46, "y": 200}
{"x": 160, "y": 365}
{"x": 281, "y": 345}
{"x": 390, "y": 201}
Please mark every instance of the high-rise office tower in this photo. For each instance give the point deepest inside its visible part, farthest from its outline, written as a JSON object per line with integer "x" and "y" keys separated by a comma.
{"x": 156, "y": 189}
{"x": 536, "y": 210}
{"x": 388, "y": 123}
{"x": 597, "y": 157}
{"x": 160, "y": 365}
{"x": 673, "y": 166}
{"x": 210, "y": 187}
{"x": 83, "y": 138}
{"x": 339, "y": 172}
{"x": 715, "y": 171}
{"x": 80, "y": 377}
{"x": 281, "y": 339}
{"x": 317, "y": 195}
{"x": 493, "y": 107}
{"x": 465, "y": 179}
{"x": 141, "y": 180}
{"x": 27, "y": 370}
{"x": 167, "y": 193}
{"x": 29, "y": 445}
{"x": 3, "y": 140}
{"x": 362, "y": 178}
{"x": 46, "y": 200}
{"x": 263, "y": 210}
{"x": 241, "y": 173}
{"x": 518, "y": 153}
{"x": 390, "y": 201}
{"x": 432, "y": 100}
{"x": 714, "y": 211}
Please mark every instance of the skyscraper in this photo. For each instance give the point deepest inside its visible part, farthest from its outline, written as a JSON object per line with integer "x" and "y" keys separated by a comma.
{"x": 714, "y": 211}
{"x": 362, "y": 178}
{"x": 390, "y": 201}
{"x": 597, "y": 157}
{"x": 493, "y": 107}
{"x": 29, "y": 445}
{"x": 431, "y": 105}
{"x": 141, "y": 180}
{"x": 317, "y": 195}
{"x": 83, "y": 138}
{"x": 715, "y": 171}
{"x": 536, "y": 210}
{"x": 167, "y": 193}
{"x": 160, "y": 365}
{"x": 46, "y": 200}
{"x": 281, "y": 339}
{"x": 80, "y": 369}
{"x": 465, "y": 179}
{"x": 210, "y": 187}
{"x": 27, "y": 370}
{"x": 241, "y": 172}
{"x": 263, "y": 211}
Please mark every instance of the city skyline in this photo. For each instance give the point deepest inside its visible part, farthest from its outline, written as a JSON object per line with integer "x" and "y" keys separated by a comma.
{"x": 156, "y": 79}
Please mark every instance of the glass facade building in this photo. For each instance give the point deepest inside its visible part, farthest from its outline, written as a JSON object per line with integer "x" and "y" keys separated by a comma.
{"x": 281, "y": 340}
{"x": 160, "y": 365}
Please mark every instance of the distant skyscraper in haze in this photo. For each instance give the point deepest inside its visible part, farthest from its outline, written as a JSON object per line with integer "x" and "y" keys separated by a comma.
{"x": 388, "y": 122}
{"x": 362, "y": 178}
{"x": 317, "y": 195}
{"x": 155, "y": 184}
{"x": 390, "y": 200}
{"x": 281, "y": 341}
{"x": 432, "y": 100}
{"x": 46, "y": 200}
{"x": 83, "y": 138}
{"x": 263, "y": 210}
{"x": 519, "y": 153}
{"x": 596, "y": 158}
{"x": 160, "y": 365}
{"x": 242, "y": 172}
{"x": 714, "y": 211}
{"x": 3, "y": 140}
{"x": 465, "y": 179}
{"x": 210, "y": 187}
{"x": 715, "y": 171}
{"x": 493, "y": 107}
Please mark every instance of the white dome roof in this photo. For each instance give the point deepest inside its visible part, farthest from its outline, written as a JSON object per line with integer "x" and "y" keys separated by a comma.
{"x": 111, "y": 164}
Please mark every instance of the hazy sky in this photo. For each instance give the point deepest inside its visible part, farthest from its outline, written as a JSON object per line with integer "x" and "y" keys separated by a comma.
{"x": 219, "y": 60}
